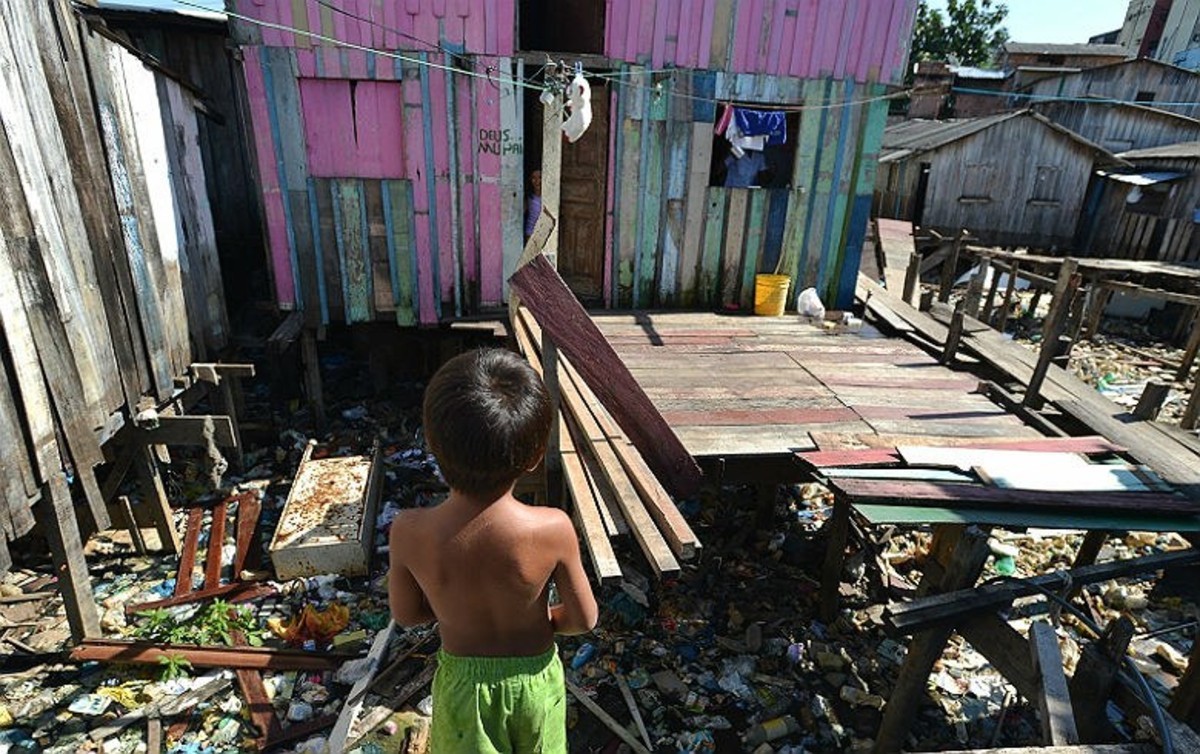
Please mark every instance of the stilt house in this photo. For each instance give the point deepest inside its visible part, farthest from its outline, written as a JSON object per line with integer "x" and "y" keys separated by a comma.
{"x": 395, "y": 140}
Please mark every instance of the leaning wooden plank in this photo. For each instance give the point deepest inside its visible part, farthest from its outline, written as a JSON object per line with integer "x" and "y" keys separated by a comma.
{"x": 235, "y": 592}
{"x": 619, "y": 730}
{"x": 206, "y": 687}
{"x": 187, "y": 556}
{"x": 886, "y": 492}
{"x": 683, "y": 541}
{"x": 190, "y": 430}
{"x": 966, "y": 458}
{"x": 248, "y": 512}
{"x": 559, "y": 312}
{"x": 1054, "y": 701}
{"x": 254, "y": 658}
{"x": 57, "y": 517}
{"x": 353, "y": 704}
{"x": 587, "y": 517}
{"x": 216, "y": 544}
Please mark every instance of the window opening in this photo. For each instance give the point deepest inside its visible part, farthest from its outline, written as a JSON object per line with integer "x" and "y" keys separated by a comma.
{"x": 763, "y": 151}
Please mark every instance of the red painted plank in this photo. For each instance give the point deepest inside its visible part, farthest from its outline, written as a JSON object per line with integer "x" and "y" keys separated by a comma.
{"x": 764, "y": 417}
{"x": 248, "y": 512}
{"x": 893, "y": 492}
{"x": 187, "y": 558}
{"x": 1092, "y": 445}
{"x": 917, "y": 381}
{"x": 948, "y": 414}
{"x": 559, "y": 313}
{"x": 216, "y": 542}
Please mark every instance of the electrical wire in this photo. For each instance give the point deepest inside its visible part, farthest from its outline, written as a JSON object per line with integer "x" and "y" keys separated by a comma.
{"x": 1160, "y": 720}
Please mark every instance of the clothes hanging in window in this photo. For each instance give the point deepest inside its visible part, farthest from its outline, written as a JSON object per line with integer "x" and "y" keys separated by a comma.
{"x": 769, "y": 123}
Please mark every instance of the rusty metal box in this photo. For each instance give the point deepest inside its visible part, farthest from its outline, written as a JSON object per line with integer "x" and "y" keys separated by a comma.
{"x": 328, "y": 522}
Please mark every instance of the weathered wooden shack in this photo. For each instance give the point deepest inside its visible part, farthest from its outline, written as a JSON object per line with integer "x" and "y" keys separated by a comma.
{"x": 108, "y": 269}
{"x": 394, "y": 141}
{"x": 1147, "y": 81}
{"x": 1119, "y": 126}
{"x": 1149, "y": 211}
{"x": 1011, "y": 179}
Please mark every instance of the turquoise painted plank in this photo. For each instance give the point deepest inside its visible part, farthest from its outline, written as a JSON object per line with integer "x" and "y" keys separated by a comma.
{"x": 843, "y": 167}
{"x": 273, "y": 115}
{"x": 755, "y": 231}
{"x": 648, "y": 252}
{"x": 773, "y": 238}
{"x": 397, "y": 216}
{"x": 430, "y": 182}
{"x": 872, "y": 138}
{"x": 350, "y": 224}
{"x": 314, "y": 219}
{"x": 714, "y": 237}
{"x": 616, "y": 123}
{"x": 820, "y": 194}
{"x": 805, "y": 176}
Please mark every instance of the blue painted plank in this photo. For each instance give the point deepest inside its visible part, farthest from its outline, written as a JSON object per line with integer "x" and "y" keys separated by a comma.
{"x": 318, "y": 252}
{"x": 430, "y": 183}
{"x": 776, "y": 219}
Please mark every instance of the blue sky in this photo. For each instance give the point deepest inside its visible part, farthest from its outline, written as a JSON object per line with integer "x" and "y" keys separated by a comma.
{"x": 1059, "y": 20}
{"x": 1028, "y": 20}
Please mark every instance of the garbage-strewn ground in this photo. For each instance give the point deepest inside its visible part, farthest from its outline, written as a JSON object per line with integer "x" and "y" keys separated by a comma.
{"x": 731, "y": 643}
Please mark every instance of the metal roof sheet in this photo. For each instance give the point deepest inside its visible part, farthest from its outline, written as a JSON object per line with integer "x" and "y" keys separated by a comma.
{"x": 1054, "y": 48}
{"x": 1143, "y": 177}
{"x": 1182, "y": 150}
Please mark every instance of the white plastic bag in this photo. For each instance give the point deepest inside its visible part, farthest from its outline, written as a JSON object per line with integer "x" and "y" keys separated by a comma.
{"x": 808, "y": 304}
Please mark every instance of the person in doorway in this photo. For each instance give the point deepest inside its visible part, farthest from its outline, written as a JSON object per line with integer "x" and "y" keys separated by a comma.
{"x": 533, "y": 202}
{"x": 481, "y": 563}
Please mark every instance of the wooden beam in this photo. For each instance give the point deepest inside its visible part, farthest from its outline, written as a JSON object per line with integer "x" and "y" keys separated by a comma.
{"x": 954, "y": 334}
{"x": 1185, "y": 700}
{"x": 950, "y": 267}
{"x": 189, "y": 430}
{"x": 1009, "y": 292}
{"x": 237, "y": 591}
{"x": 1054, "y": 700}
{"x": 1192, "y": 412}
{"x": 975, "y": 288}
{"x": 216, "y": 543}
{"x": 912, "y": 279}
{"x": 835, "y": 557}
{"x": 1151, "y": 400}
{"x": 187, "y": 556}
{"x": 254, "y": 658}
{"x": 964, "y": 567}
{"x": 55, "y": 512}
{"x": 1094, "y": 679}
{"x": 205, "y": 371}
{"x": 1004, "y": 647}
{"x": 249, "y": 510}
{"x": 1189, "y": 352}
{"x": 560, "y": 314}
{"x": 154, "y": 496}
{"x": 1068, "y": 283}
{"x": 286, "y": 333}
{"x": 617, "y": 729}
{"x": 312, "y": 377}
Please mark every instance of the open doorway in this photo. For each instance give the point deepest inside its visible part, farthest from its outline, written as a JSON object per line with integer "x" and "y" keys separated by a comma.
{"x": 582, "y": 194}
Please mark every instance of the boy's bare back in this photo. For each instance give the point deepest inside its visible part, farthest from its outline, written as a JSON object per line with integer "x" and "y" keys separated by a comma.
{"x": 482, "y": 570}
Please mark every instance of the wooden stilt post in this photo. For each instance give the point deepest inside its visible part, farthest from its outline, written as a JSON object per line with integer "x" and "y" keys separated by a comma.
{"x": 1054, "y": 701}
{"x": 1094, "y": 678}
{"x": 989, "y": 305}
{"x": 954, "y": 335}
{"x": 926, "y": 647}
{"x": 56, "y": 513}
{"x": 154, "y": 495}
{"x": 312, "y": 377}
{"x": 1064, "y": 293}
{"x": 1151, "y": 401}
{"x": 552, "y": 147}
{"x": 1189, "y": 353}
{"x": 950, "y": 266}
{"x": 912, "y": 280}
{"x": 975, "y": 288}
{"x": 831, "y": 573}
{"x": 1192, "y": 412}
{"x": 1009, "y": 292}
{"x": 1033, "y": 304}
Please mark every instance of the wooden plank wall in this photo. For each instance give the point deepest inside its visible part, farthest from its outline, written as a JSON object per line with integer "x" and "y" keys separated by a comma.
{"x": 1119, "y": 128}
{"x": 674, "y": 241}
{"x": 108, "y": 270}
{"x": 1123, "y": 81}
{"x": 682, "y": 243}
{"x": 863, "y": 40}
{"x": 1169, "y": 236}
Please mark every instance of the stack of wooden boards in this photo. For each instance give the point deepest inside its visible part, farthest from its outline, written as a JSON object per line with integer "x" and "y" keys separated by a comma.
{"x": 612, "y": 489}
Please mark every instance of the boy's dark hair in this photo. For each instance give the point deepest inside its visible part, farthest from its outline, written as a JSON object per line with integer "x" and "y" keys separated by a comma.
{"x": 487, "y": 417}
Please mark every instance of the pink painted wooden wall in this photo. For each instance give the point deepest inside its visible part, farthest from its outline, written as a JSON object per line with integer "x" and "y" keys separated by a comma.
{"x": 481, "y": 26}
{"x": 866, "y": 40}
{"x": 353, "y": 127}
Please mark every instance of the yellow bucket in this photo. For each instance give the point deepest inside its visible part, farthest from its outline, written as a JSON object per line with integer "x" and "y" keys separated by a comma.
{"x": 770, "y": 294}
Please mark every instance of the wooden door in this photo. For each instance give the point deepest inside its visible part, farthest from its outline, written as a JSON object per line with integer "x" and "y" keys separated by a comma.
{"x": 582, "y": 204}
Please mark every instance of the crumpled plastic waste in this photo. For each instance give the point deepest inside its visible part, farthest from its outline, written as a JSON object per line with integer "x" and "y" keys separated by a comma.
{"x": 312, "y": 624}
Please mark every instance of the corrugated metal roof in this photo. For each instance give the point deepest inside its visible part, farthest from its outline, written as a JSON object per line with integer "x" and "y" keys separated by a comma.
{"x": 1102, "y": 102}
{"x": 971, "y": 72}
{"x": 1182, "y": 150}
{"x": 912, "y": 137}
{"x": 1142, "y": 177}
{"x": 1052, "y": 48}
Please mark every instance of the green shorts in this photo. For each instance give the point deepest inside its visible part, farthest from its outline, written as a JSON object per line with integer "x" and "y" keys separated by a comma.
{"x": 495, "y": 705}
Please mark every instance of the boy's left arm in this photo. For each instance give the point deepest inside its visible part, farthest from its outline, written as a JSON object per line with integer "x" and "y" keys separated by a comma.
{"x": 408, "y": 604}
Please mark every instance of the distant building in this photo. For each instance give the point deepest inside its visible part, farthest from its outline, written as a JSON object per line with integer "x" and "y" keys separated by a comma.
{"x": 1149, "y": 211}
{"x": 1014, "y": 179}
{"x": 944, "y": 90}
{"x": 1145, "y": 21}
{"x": 1120, "y": 127}
{"x": 1180, "y": 44}
{"x": 1106, "y": 38}
{"x": 1151, "y": 82}
{"x": 1032, "y": 61}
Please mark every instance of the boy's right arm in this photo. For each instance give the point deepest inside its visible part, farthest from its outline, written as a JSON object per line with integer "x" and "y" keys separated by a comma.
{"x": 576, "y": 612}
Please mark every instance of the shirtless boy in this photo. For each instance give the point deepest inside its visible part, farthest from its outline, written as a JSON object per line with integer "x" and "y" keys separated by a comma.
{"x": 480, "y": 564}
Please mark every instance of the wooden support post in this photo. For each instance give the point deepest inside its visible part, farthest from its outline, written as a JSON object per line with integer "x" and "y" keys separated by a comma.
{"x": 989, "y": 305}
{"x": 926, "y": 300}
{"x": 552, "y": 149}
{"x": 1009, "y": 292}
{"x": 312, "y": 377}
{"x": 1189, "y": 353}
{"x": 975, "y": 288}
{"x": 552, "y": 461}
{"x": 1064, "y": 293}
{"x": 1033, "y": 304}
{"x": 1054, "y": 700}
{"x": 1192, "y": 412}
{"x": 950, "y": 266}
{"x": 56, "y": 514}
{"x": 954, "y": 335}
{"x": 154, "y": 496}
{"x": 131, "y": 524}
{"x": 1060, "y": 355}
{"x": 1094, "y": 678}
{"x": 1151, "y": 401}
{"x": 912, "y": 280}
{"x": 835, "y": 553}
{"x": 1185, "y": 702}
{"x": 1102, "y": 294}
{"x": 925, "y": 648}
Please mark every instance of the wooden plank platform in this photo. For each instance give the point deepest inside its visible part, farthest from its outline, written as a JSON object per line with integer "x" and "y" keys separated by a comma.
{"x": 757, "y": 386}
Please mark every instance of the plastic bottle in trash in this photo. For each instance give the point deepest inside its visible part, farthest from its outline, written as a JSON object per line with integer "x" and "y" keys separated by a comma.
{"x": 770, "y": 730}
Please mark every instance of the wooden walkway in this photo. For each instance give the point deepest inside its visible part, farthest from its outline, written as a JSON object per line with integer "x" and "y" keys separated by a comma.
{"x": 749, "y": 386}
